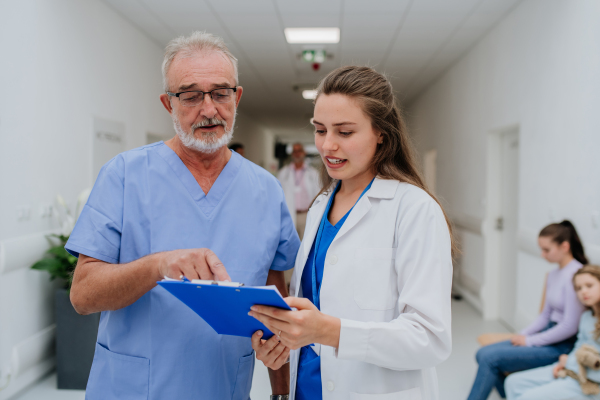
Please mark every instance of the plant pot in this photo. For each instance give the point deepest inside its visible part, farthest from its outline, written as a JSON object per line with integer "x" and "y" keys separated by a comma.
{"x": 75, "y": 343}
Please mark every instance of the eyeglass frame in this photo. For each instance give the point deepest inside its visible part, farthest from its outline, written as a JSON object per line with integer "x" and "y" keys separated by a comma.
{"x": 210, "y": 92}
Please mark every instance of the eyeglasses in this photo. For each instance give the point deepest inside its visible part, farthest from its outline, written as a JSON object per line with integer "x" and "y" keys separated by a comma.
{"x": 194, "y": 97}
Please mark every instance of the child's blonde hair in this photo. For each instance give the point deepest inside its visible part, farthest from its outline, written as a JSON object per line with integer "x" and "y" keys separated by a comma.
{"x": 593, "y": 270}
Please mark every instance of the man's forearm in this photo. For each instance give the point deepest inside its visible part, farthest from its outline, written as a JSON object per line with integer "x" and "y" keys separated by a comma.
{"x": 100, "y": 286}
{"x": 280, "y": 379}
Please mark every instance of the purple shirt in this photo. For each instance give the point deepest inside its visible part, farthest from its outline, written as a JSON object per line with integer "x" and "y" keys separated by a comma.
{"x": 561, "y": 306}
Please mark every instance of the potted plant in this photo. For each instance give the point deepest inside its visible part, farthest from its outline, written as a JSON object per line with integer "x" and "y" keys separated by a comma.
{"x": 75, "y": 334}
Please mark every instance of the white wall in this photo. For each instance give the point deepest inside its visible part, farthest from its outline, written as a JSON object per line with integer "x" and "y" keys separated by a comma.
{"x": 63, "y": 62}
{"x": 258, "y": 141}
{"x": 539, "y": 69}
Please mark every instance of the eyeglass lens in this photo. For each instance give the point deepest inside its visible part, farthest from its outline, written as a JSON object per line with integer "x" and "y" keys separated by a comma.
{"x": 195, "y": 98}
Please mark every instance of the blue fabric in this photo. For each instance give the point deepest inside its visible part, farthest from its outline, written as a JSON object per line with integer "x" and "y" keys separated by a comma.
{"x": 498, "y": 359}
{"x": 308, "y": 384}
{"x": 587, "y": 327}
{"x": 540, "y": 384}
{"x": 146, "y": 201}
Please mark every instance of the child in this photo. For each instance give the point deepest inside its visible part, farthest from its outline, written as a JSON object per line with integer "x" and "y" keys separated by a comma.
{"x": 542, "y": 383}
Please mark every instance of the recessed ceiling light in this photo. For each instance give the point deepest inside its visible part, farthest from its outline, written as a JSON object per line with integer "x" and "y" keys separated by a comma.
{"x": 309, "y": 94}
{"x": 312, "y": 35}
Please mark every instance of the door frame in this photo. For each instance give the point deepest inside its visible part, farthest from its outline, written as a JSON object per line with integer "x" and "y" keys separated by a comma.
{"x": 491, "y": 289}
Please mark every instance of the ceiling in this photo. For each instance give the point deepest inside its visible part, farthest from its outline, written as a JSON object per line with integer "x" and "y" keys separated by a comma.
{"x": 411, "y": 41}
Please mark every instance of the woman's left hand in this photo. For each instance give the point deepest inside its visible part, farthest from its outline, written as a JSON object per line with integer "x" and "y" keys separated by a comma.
{"x": 519, "y": 340}
{"x": 299, "y": 328}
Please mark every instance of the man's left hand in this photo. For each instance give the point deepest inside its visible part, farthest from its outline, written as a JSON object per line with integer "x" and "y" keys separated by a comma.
{"x": 299, "y": 328}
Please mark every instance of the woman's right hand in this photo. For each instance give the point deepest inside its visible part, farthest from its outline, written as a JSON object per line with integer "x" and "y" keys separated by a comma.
{"x": 271, "y": 352}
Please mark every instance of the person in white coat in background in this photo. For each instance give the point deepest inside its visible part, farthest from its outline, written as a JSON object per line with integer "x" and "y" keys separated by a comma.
{"x": 373, "y": 274}
{"x": 300, "y": 184}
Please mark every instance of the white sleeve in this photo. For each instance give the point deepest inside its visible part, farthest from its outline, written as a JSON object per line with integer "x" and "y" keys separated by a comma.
{"x": 420, "y": 337}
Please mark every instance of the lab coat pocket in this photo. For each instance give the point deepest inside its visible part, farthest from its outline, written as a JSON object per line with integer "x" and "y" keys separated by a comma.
{"x": 410, "y": 394}
{"x": 375, "y": 282}
{"x": 243, "y": 380}
{"x": 117, "y": 376}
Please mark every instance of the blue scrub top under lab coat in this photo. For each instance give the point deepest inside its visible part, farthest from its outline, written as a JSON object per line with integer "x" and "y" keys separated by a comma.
{"x": 308, "y": 384}
{"x": 147, "y": 201}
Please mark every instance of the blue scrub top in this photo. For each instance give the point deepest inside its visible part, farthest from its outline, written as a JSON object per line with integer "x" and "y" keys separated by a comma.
{"x": 146, "y": 201}
{"x": 308, "y": 384}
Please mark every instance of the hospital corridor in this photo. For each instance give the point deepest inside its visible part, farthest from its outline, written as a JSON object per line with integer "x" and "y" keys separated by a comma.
{"x": 277, "y": 199}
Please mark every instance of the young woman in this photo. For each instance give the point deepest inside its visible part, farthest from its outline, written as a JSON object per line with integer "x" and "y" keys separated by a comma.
{"x": 542, "y": 383}
{"x": 553, "y": 332}
{"x": 372, "y": 277}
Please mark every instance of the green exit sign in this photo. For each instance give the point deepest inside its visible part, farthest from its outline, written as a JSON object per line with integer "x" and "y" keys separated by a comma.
{"x": 314, "y": 56}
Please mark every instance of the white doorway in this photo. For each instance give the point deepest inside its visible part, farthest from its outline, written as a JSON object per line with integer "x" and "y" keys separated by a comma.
{"x": 502, "y": 218}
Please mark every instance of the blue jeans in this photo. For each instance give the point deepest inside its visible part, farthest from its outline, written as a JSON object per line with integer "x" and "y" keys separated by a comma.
{"x": 498, "y": 359}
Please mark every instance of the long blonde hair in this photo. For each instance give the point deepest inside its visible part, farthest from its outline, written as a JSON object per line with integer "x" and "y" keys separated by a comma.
{"x": 593, "y": 270}
{"x": 395, "y": 156}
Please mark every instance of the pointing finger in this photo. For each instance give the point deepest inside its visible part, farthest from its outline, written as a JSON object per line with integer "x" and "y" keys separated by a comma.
{"x": 216, "y": 266}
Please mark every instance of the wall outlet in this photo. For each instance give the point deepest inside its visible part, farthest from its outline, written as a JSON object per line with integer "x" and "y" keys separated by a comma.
{"x": 23, "y": 213}
{"x": 46, "y": 211}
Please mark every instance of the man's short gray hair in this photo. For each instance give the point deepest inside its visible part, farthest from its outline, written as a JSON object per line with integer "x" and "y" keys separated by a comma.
{"x": 197, "y": 42}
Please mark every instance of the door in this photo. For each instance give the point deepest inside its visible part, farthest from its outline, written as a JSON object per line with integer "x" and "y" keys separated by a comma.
{"x": 507, "y": 223}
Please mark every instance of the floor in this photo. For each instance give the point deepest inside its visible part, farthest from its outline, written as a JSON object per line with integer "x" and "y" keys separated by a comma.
{"x": 455, "y": 375}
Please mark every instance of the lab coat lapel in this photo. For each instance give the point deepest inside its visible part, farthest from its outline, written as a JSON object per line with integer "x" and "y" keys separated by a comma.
{"x": 380, "y": 189}
{"x": 310, "y": 233}
{"x": 361, "y": 209}
{"x": 315, "y": 213}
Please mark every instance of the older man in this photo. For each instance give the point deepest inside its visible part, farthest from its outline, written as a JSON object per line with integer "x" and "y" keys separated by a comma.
{"x": 186, "y": 207}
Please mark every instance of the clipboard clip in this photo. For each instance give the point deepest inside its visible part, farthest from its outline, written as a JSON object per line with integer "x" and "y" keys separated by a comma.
{"x": 217, "y": 283}
{"x": 204, "y": 282}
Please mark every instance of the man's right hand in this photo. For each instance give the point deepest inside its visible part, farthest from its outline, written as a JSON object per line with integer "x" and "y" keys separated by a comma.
{"x": 193, "y": 264}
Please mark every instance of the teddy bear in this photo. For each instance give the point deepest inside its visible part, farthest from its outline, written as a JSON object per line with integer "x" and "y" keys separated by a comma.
{"x": 587, "y": 357}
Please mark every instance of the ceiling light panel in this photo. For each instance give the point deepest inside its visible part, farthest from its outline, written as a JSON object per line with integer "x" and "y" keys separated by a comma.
{"x": 309, "y": 94}
{"x": 312, "y": 35}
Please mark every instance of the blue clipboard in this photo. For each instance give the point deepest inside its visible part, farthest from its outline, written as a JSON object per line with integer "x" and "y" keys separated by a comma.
{"x": 225, "y": 308}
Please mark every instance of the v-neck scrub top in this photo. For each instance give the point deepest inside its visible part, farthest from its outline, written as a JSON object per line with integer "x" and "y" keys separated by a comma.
{"x": 146, "y": 201}
{"x": 309, "y": 386}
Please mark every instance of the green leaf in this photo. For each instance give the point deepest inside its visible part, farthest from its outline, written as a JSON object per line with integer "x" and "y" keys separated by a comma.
{"x": 59, "y": 251}
{"x": 55, "y": 268}
{"x": 46, "y": 264}
{"x": 72, "y": 260}
{"x": 64, "y": 239}
{"x": 57, "y": 261}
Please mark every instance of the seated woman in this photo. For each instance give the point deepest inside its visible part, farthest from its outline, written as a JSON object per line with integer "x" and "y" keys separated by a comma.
{"x": 543, "y": 383}
{"x": 553, "y": 332}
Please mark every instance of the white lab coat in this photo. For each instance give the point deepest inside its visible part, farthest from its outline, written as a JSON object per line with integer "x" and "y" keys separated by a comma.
{"x": 288, "y": 183}
{"x": 387, "y": 276}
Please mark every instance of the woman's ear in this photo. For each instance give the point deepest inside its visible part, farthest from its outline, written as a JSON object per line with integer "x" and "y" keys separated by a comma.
{"x": 565, "y": 246}
{"x": 380, "y": 138}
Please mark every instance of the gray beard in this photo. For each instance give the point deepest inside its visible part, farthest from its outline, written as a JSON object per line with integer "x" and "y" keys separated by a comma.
{"x": 209, "y": 142}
